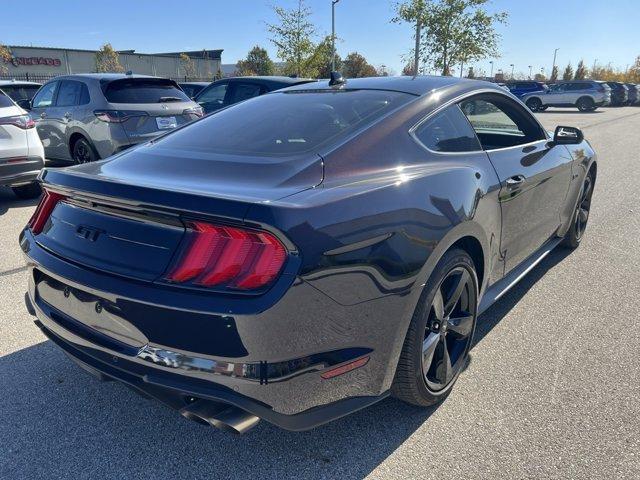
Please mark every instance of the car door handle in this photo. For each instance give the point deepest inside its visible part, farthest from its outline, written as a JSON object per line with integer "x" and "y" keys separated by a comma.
{"x": 67, "y": 115}
{"x": 515, "y": 181}
{"x": 43, "y": 115}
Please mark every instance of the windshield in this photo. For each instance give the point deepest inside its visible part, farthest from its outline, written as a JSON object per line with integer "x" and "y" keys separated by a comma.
{"x": 144, "y": 90}
{"x": 286, "y": 123}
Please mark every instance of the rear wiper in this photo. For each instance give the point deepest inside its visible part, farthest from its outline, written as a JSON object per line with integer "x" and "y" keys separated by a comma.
{"x": 170, "y": 99}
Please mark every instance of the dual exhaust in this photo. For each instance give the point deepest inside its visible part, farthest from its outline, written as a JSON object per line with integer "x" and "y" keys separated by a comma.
{"x": 223, "y": 417}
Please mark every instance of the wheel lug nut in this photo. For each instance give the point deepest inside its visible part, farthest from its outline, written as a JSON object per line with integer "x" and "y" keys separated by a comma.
{"x": 436, "y": 326}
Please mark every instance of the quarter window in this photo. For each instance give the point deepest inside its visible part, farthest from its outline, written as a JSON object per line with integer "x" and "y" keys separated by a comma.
{"x": 448, "y": 131}
{"x": 44, "y": 98}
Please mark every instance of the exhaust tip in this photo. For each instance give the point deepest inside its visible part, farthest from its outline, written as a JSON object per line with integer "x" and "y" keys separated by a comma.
{"x": 223, "y": 417}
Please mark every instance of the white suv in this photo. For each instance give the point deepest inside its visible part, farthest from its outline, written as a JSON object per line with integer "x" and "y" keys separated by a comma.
{"x": 21, "y": 151}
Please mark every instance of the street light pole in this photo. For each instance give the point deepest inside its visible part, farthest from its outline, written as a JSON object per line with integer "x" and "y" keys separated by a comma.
{"x": 333, "y": 34}
{"x": 530, "y": 66}
{"x": 555, "y": 52}
{"x": 512, "y": 67}
{"x": 416, "y": 55}
{"x": 491, "y": 74}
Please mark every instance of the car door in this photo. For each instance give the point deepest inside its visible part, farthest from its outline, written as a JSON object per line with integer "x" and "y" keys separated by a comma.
{"x": 62, "y": 115}
{"x": 534, "y": 174}
{"x": 42, "y": 102}
{"x": 556, "y": 94}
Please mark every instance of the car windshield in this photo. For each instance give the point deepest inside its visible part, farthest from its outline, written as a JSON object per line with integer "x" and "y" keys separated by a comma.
{"x": 143, "y": 90}
{"x": 286, "y": 123}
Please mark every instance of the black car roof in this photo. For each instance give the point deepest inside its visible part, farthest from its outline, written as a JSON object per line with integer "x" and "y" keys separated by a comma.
{"x": 414, "y": 85}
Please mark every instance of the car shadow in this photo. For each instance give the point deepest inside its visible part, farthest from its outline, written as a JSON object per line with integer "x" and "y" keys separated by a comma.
{"x": 57, "y": 421}
{"x": 574, "y": 111}
{"x": 9, "y": 200}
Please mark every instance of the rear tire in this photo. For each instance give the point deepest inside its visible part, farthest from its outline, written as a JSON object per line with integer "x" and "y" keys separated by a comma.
{"x": 580, "y": 216}
{"x": 534, "y": 104}
{"x": 83, "y": 151}
{"x": 28, "y": 191}
{"x": 585, "y": 104}
{"x": 439, "y": 337}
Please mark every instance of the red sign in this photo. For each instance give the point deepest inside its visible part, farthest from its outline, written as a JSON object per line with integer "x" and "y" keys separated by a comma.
{"x": 18, "y": 61}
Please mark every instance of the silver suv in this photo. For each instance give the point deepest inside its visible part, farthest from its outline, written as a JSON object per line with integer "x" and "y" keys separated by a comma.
{"x": 91, "y": 116}
{"x": 586, "y": 95}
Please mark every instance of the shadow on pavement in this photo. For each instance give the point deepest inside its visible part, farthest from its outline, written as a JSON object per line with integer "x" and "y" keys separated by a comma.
{"x": 9, "y": 200}
{"x": 58, "y": 422}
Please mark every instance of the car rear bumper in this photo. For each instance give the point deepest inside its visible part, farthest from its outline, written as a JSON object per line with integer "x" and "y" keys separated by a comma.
{"x": 270, "y": 362}
{"x": 20, "y": 171}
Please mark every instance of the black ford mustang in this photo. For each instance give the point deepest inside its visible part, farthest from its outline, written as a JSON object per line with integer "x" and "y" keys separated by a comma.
{"x": 305, "y": 253}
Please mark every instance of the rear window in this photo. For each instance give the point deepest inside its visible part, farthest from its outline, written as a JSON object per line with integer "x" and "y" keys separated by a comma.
{"x": 20, "y": 92}
{"x": 5, "y": 101}
{"x": 286, "y": 123}
{"x": 137, "y": 90}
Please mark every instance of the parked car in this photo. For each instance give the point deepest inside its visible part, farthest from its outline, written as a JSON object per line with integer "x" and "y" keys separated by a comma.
{"x": 193, "y": 88}
{"x": 19, "y": 91}
{"x": 520, "y": 87}
{"x": 586, "y": 95}
{"x": 21, "y": 152}
{"x": 619, "y": 93}
{"x": 86, "y": 117}
{"x": 236, "y": 89}
{"x": 305, "y": 253}
{"x": 633, "y": 92}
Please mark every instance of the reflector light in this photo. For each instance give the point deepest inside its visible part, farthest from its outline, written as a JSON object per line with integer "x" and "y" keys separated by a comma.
{"x": 47, "y": 203}
{"x": 224, "y": 256}
{"x": 347, "y": 367}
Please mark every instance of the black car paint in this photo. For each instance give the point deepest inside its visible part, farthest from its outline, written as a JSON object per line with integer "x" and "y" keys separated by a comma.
{"x": 364, "y": 225}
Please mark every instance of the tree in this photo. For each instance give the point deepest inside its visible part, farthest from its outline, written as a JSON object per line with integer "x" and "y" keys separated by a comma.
{"x": 456, "y": 32}
{"x": 355, "y": 66}
{"x": 539, "y": 77}
{"x": 256, "y": 63}
{"x": 568, "y": 72}
{"x": 318, "y": 65}
{"x": 470, "y": 73}
{"x": 5, "y": 57}
{"x": 408, "y": 69}
{"x": 581, "y": 71}
{"x": 293, "y": 37}
{"x": 188, "y": 66}
{"x": 554, "y": 74}
{"x": 107, "y": 60}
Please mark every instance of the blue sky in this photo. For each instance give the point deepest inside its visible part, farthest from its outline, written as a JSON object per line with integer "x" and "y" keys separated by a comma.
{"x": 608, "y": 31}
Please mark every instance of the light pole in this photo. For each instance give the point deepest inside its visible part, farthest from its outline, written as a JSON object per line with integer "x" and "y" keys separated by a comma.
{"x": 530, "y": 66}
{"x": 512, "y": 67}
{"x": 593, "y": 70}
{"x": 333, "y": 34}
{"x": 491, "y": 74}
{"x": 416, "y": 55}
{"x": 555, "y": 52}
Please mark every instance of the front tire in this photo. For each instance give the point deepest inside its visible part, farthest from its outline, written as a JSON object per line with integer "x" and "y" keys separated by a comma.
{"x": 83, "y": 152}
{"x": 439, "y": 337}
{"x": 28, "y": 191}
{"x": 534, "y": 104}
{"x": 585, "y": 104}
{"x": 580, "y": 214}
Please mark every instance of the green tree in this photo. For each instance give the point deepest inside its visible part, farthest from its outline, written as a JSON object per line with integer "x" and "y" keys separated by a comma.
{"x": 454, "y": 32}
{"x": 107, "y": 60}
{"x": 554, "y": 74}
{"x": 356, "y": 66}
{"x": 568, "y": 72}
{"x": 581, "y": 71}
{"x": 292, "y": 35}
{"x": 318, "y": 65}
{"x": 256, "y": 63}
{"x": 188, "y": 66}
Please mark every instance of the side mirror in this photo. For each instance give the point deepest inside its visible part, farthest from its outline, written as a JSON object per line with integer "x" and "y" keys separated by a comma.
{"x": 24, "y": 104}
{"x": 567, "y": 136}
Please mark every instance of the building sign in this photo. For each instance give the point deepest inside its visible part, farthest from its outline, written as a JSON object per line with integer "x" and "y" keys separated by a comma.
{"x": 21, "y": 61}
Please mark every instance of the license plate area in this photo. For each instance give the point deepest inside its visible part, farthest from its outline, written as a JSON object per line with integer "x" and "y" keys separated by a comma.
{"x": 166, "y": 123}
{"x": 75, "y": 308}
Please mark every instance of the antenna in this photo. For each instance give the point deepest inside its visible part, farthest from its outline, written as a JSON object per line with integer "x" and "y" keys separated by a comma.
{"x": 337, "y": 79}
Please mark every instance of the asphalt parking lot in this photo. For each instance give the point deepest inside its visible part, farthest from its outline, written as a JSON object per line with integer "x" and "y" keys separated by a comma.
{"x": 552, "y": 389}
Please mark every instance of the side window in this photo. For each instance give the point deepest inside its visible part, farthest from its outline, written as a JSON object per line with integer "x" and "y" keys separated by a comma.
{"x": 499, "y": 122}
{"x": 243, "y": 91}
{"x": 448, "y": 131}
{"x": 72, "y": 93}
{"x": 44, "y": 98}
{"x": 214, "y": 94}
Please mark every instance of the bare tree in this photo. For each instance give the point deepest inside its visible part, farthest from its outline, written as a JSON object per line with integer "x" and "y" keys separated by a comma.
{"x": 188, "y": 66}
{"x": 5, "y": 57}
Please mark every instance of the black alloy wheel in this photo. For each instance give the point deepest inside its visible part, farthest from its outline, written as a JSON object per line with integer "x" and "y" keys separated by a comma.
{"x": 581, "y": 213}
{"x": 83, "y": 152}
{"x": 585, "y": 104}
{"x": 534, "y": 104}
{"x": 440, "y": 334}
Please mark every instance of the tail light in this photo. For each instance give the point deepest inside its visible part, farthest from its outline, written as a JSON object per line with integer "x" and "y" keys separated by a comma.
{"x": 227, "y": 257}
{"x": 21, "y": 121}
{"x": 118, "y": 116}
{"x": 47, "y": 203}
